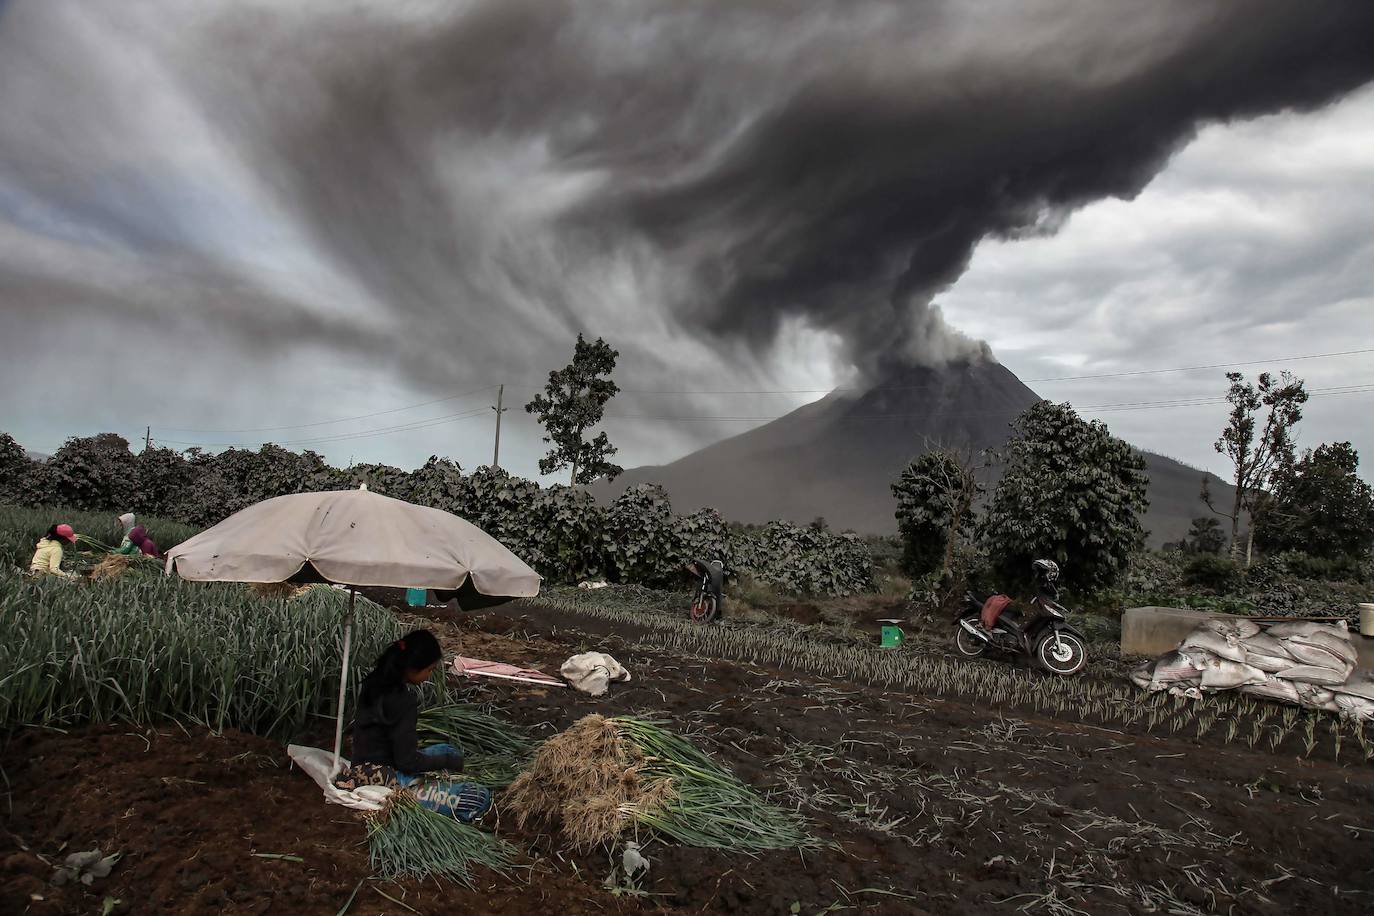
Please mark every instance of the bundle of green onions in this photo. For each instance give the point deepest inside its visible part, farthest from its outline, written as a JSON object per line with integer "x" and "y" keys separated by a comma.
{"x": 407, "y": 840}
{"x": 603, "y": 775}
{"x": 706, "y": 805}
{"x": 494, "y": 749}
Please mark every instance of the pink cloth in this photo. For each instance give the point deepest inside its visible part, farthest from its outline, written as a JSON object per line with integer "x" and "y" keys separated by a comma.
{"x": 476, "y": 667}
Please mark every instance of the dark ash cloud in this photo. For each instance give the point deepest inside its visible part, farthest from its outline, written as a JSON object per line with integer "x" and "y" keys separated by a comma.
{"x": 452, "y": 191}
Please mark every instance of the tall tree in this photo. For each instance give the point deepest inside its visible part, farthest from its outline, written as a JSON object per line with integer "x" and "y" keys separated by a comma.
{"x": 1205, "y": 536}
{"x": 935, "y": 496}
{"x": 1256, "y": 450}
{"x": 572, "y": 403}
{"x": 1071, "y": 492}
{"x": 1319, "y": 505}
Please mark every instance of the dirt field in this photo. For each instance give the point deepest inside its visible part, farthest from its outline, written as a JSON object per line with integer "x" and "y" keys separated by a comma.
{"x": 935, "y": 806}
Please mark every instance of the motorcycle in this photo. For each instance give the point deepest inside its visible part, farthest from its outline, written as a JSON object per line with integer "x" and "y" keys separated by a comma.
{"x": 1042, "y": 632}
{"x": 705, "y": 605}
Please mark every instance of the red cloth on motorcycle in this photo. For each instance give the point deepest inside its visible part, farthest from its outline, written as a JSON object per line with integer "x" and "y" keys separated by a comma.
{"x": 992, "y": 609}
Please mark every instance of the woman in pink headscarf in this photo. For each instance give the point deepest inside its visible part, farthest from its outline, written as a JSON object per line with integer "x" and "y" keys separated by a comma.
{"x": 47, "y": 559}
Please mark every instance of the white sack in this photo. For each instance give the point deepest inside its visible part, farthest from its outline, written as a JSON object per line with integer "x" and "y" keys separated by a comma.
{"x": 1240, "y": 629}
{"x": 1307, "y": 654}
{"x": 1269, "y": 663}
{"x": 317, "y": 764}
{"x": 1172, "y": 667}
{"x": 1303, "y": 628}
{"x": 1312, "y": 695}
{"x": 1359, "y": 685}
{"x": 1221, "y": 674}
{"x": 1226, "y": 647}
{"x": 1273, "y": 689}
{"x": 1265, "y": 644}
{"x": 592, "y": 672}
{"x": 1313, "y": 674}
{"x": 1333, "y": 641}
{"x": 1355, "y": 707}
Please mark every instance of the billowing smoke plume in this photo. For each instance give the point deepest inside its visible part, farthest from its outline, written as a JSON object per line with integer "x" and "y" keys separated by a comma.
{"x": 402, "y": 180}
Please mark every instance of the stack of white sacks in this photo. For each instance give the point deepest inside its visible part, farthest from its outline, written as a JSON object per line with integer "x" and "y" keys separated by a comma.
{"x": 1307, "y": 664}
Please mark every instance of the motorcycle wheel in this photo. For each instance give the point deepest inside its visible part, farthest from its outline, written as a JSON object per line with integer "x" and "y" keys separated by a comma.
{"x": 966, "y": 644}
{"x": 1065, "y": 656}
{"x": 706, "y": 610}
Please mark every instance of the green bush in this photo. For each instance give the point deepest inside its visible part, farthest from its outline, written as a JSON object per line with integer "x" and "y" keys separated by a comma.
{"x": 1071, "y": 492}
{"x": 559, "y": 531}
{"x": 1219, "y": 574}
{"x": 640, "y": 543}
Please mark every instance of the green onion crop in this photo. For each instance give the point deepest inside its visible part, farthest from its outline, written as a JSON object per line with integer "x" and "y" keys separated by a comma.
{"x": 148, "y": 649}
{"x": 407, "y": 840}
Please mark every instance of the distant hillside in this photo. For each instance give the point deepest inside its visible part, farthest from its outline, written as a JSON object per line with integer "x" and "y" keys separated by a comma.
{"x": 838, "y": 457}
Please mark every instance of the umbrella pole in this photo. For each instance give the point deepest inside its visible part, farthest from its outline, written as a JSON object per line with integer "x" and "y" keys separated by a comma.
{"x": 343, "y": 681}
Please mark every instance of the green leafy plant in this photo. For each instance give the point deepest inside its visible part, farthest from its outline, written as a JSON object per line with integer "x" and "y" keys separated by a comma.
{"x": 1320, "y": 506}
{"x": 1256, "y": 451}
{"x": 1071, "y": 492}
{"x": 572, "y": 403}
{"x": 935, "y": 496}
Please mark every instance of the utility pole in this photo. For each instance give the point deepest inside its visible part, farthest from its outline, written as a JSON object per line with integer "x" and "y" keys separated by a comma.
{"x": 147, "y": 438}
{"x": 496, "y": 452}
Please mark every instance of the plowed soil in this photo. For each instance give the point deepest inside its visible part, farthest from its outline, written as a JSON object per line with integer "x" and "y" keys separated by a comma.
{"x": 933, "y": 805}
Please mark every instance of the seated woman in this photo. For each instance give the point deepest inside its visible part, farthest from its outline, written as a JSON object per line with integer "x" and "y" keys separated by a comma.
{"x": 385, "y": 749}
{"x": 127, "y": 521}
{"x": 144, "y": 544}
{"x": 47, "y": 558}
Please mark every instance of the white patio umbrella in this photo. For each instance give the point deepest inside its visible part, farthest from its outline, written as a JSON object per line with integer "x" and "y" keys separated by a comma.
{"x": 355, "y": 538}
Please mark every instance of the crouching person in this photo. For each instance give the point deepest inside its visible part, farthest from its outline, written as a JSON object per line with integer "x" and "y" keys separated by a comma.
{"x": 47, "y": 555}
{"x": 385, "y": 747}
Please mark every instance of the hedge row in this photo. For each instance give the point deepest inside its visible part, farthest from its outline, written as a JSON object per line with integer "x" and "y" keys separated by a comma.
{"x": 560, "y": 531}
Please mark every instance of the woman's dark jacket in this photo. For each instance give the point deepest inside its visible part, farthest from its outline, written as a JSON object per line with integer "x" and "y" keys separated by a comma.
{"x": 384, "y": 733}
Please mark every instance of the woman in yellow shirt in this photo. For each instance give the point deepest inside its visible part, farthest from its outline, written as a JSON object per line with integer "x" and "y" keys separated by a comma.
{"x": 47, "y": 559}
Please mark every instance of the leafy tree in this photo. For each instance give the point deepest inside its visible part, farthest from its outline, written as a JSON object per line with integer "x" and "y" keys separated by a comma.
{"x": 93, "y": 473}
{"x": 1071, "y": 492}
{"x": 14, "y": 468}
{"x": 1205, "y": 536}
{"x": 935, "y": 496}
{"x": 1255, "y": 450}
{"x": 1320, "y": 506}
{"x": 165, "y": 481}
{"x": 572, "y": 403}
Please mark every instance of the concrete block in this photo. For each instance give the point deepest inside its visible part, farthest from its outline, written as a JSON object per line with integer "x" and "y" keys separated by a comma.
{"x": 1153, "y": 631}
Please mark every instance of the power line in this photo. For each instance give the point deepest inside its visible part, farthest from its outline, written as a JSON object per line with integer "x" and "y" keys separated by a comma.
{"x": 342, "y": 437}
{"x": 365, "y": 416}
{"x": 1119, "y": 406}
{"x": 1054, "y": 378}
{"x": 422, "y": 424}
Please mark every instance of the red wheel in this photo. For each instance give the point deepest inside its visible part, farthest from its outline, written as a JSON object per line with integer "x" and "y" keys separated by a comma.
{"x": 705, "y": 610}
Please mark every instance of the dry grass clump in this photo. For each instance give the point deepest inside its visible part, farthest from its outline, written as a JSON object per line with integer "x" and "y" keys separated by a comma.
{"x": 585, "y": 779}
{"x": 111, "y": 566}
{"x": 603, "y": 774}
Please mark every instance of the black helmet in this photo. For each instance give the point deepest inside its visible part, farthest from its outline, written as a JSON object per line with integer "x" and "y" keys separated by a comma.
{"x": 1047, "y": 570}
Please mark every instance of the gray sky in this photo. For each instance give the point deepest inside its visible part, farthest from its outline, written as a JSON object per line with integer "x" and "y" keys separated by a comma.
{"x": 219, "y": 218}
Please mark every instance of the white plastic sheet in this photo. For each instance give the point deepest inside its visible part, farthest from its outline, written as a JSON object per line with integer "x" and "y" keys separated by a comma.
{"x": 318, "y": 765}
